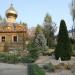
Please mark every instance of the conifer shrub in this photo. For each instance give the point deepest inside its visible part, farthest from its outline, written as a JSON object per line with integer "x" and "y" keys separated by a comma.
{"x": 63, "y": 49}
{"x": 26, "y": 59}
{"x": 49, "y": 67}
{"x": 34, "y": 69}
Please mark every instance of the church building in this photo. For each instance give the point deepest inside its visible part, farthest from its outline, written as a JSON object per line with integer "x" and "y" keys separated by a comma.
{"x": 12, "y": 35}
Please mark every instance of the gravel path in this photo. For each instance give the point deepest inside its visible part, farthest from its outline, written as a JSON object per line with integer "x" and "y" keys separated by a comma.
{"x": 47, "y": 59}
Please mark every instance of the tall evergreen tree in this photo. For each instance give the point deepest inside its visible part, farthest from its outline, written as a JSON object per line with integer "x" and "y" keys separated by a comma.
{"x": 49, "y": 29}
{"x": 63, "y": 48}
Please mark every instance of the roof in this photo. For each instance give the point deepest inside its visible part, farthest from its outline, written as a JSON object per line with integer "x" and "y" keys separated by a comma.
{"x": 11, "y": 27}
{"x": 7, "y": 23}
{"x": 11, "y": 10}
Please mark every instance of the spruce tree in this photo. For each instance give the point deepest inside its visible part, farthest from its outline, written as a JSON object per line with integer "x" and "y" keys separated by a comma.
{"x": 40, "y": 39}
{"x": 63, "y": 48}
{"x": 33, "y": 50}
{"x": 38, "y": 44}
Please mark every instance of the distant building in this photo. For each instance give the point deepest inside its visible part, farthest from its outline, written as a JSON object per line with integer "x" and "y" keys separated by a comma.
{"x": 71, "y": 33}
{"x": 12, "y": 34}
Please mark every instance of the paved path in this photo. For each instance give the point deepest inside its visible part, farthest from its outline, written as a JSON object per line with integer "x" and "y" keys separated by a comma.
{"x": 18, "y": 69}
{"x": 47, "y": 59}
{"x": 11, "y": 69}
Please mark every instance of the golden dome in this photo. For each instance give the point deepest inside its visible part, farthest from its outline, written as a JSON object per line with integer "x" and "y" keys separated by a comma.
{"x": 11, "y": 11}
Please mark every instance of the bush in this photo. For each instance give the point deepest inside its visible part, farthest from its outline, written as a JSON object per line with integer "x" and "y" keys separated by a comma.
{"x": 12, "y": 58}
{"x": 34, "y": 69}
{"x": 69, "y": 66}
{"x": 15, "y": 58}
{"x": 8, "y": 58}
{"x": 27, "y": 59}
{"x": 49, "y": 67}
{"x": 63, "y": 66}
{"x": 3, "y": 57}
{"x": 73, "y": 69}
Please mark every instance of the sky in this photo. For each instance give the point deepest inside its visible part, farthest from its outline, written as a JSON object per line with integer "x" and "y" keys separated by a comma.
{"x": 33, "y": 12}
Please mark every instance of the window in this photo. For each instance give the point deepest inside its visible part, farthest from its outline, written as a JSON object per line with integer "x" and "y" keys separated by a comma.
{"x": 3, "y": 38}
{"x": 15, "y": 39}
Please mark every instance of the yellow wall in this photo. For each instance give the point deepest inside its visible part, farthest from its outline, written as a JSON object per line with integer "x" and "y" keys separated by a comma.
{"x": 9, "y": 44}
{"x": 11, "y": 19}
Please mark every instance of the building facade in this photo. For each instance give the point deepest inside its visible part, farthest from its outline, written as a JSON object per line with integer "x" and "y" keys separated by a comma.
{"x": 71, "y": 33}
{"x": 12, "y": 35}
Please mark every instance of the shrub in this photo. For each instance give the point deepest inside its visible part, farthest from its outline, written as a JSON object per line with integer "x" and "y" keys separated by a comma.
{"x": 15, "y": 58}
{"x": 27, "y": 59}
{"x": 63, "y": 66}
{"x": 49, "y": 67}
{"x": 3, "y": 57}
{"x": 12, "y": 58}
{"x": 8, "y": 57}
{"x": 34, "y": 69}
{"x": 73, "y": 71}
{"x": 69, "y": 66}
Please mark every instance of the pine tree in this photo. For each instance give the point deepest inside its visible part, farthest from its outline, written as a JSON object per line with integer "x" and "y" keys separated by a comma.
{"x": 49, "y": 29}
{"x": 63, "y": 48}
